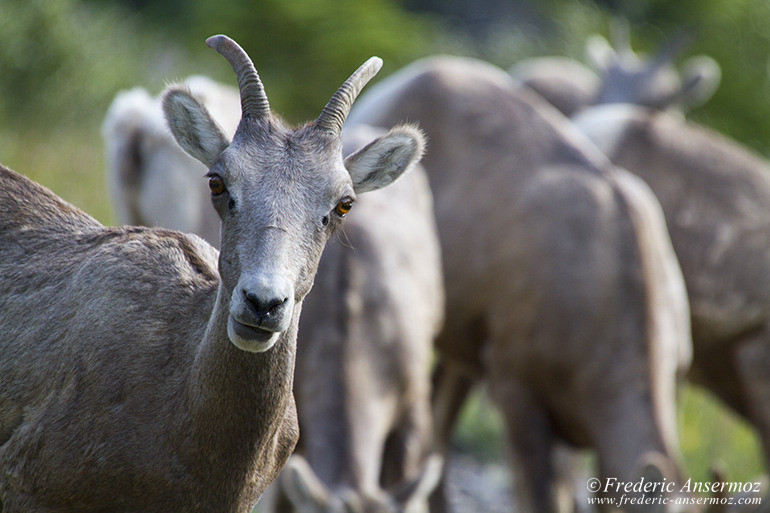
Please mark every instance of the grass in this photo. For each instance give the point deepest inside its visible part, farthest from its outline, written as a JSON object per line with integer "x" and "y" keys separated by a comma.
{"x": 481, "y": 429}
{"x": 70, "y": 162}
{"x": 710, "y": 434}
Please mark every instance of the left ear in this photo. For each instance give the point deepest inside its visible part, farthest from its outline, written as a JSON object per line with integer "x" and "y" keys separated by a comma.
{"x": 386, "y": 158}
{"x": 193, "y": 126}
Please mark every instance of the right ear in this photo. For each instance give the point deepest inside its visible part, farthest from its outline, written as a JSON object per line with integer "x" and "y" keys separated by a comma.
{"x": 305, "y": 491}
{"x": 700, "y": 78}
{"x": 599, "y": 53}
{"x": 383, "y": 160}
{"x": 192, "y": 125}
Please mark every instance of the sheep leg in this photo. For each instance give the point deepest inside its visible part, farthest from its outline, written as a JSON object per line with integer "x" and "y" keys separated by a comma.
{"x": 531, "y": 440}
{"x": 630, "y": 442}
{"x": 450, "y": 389}
{"x": 571, "y": 477}
{"x": 406, "y": 446}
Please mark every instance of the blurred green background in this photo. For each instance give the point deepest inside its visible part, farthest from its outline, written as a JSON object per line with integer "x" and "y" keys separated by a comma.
{"x": 62, "y": 62}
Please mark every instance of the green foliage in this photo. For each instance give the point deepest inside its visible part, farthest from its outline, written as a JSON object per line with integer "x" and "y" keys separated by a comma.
{"x": 68, "y": 162}
{"x": 735, "y": 34}
{"x": 305, "y": 49}
{"x": 562, "y": 29}
{"x": 61, "y": 63}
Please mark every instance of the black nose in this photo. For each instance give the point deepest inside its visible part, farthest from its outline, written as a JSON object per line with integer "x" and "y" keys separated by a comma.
{"x": 265, "y": 308}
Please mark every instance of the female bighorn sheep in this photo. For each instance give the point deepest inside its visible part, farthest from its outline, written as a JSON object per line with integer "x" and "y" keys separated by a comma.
{"x": 137, "y": 372}
{"x": 716, "y": 198}
{"x": 362, "y": 381}
{"x": 562, "y": 286}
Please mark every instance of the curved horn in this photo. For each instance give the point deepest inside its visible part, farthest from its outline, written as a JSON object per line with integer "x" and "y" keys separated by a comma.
{"x": 338, "y": 108}
{"x": 253, "y": 98}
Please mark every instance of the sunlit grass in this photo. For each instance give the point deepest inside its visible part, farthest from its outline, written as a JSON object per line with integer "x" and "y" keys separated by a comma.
{"x": 710, "y": 434}
{"x": 70, "y": 162}
{"x": 480, "y": 430}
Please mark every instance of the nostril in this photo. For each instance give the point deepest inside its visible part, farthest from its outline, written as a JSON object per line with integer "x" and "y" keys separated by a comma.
{"x": 276, "y": 305}
{"x": 253, "y": 300}
{"x": 272, "y": 307}
{"x": 264, "y": 307}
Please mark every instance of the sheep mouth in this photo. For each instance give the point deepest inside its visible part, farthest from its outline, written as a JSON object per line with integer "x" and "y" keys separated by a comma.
{"x": 250, "y": 338}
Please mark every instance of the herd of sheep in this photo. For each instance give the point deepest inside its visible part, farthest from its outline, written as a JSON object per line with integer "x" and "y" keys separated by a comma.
{"x": 560, "y": 232}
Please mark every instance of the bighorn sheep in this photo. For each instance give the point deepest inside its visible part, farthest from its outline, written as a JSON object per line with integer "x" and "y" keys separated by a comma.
{"x": 621, "y": 76}
{"x": 562, "y": 286}
{"x": 362, "y": 382}
{"x": 137, "y": 372}
{"x": 716, "y": 198}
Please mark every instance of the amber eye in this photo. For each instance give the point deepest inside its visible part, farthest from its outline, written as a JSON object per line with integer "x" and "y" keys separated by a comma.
{"x": 216, "y": 185}
{"x": 343, "y": 207}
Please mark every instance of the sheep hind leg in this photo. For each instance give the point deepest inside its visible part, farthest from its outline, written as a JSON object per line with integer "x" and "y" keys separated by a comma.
{"x": 451, "y": 387}
{"x": 531, "y": 440}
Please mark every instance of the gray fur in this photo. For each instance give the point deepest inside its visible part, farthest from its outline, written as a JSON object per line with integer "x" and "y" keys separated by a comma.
{"x": 126, "y": 383}
{"x": 565, "y": 83}
{"x": 562, "y": 286}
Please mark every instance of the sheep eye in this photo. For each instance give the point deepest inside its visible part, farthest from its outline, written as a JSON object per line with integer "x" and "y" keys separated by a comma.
{"x": 216, "y": 185}
{"x": 343, "y": 207}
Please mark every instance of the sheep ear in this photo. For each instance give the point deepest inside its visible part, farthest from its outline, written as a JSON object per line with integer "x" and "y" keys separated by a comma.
{"x": 599, "y": 53}
{"x": 383, "y": 160}
{"x": 192, "y": 125}
{"x": 700, "y": 78}
{"x": 305, "y": 491}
